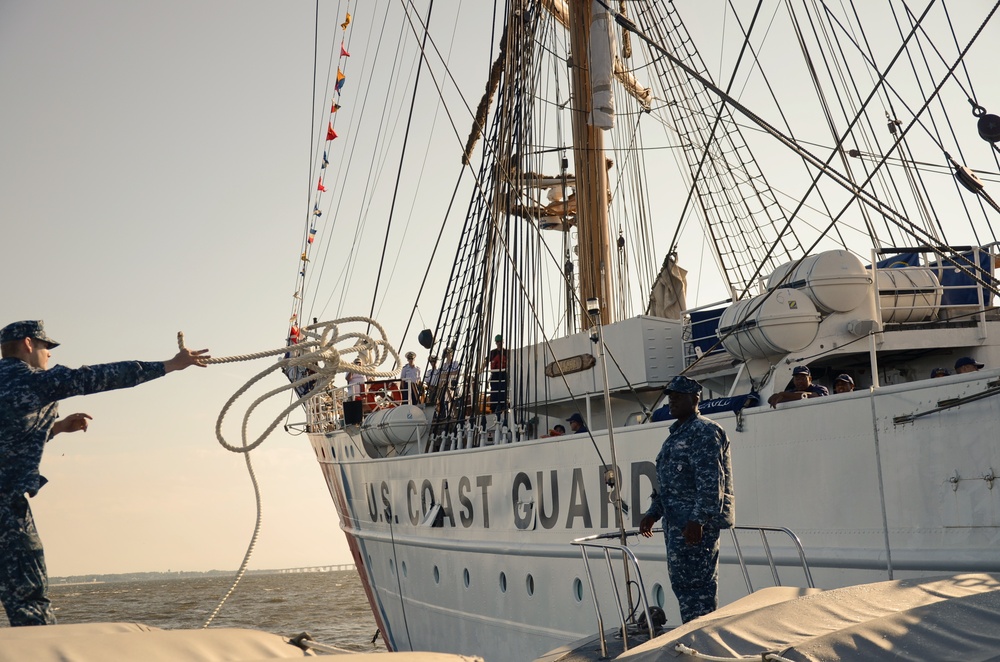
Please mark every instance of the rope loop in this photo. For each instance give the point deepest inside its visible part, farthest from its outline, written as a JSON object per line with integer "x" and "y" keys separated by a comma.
{"x": 312, "y": 363}
{"x": 977, "y": 110}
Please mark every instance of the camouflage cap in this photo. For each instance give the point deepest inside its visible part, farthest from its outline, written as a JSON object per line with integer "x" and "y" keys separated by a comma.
{"x": 26, "y": 329}
{"x": 682, "y": 384}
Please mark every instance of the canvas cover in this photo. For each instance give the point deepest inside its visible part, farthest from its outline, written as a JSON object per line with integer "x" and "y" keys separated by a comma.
{"x": 941, "y": 618}
{"x": 134, "y": 642}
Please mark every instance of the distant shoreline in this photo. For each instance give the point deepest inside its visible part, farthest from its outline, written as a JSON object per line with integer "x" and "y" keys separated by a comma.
{"x": 80, "y": 580}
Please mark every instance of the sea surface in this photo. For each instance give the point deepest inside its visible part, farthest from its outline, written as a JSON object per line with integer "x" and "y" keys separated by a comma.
{"x": 330, "y": 606}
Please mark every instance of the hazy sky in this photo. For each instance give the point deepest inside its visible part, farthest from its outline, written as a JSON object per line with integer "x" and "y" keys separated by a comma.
{"x": 153, "y": 162}
{"x": 154, "y": 171}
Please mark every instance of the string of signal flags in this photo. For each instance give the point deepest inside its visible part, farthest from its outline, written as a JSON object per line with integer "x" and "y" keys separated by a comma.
{"x": 331, "y": 135}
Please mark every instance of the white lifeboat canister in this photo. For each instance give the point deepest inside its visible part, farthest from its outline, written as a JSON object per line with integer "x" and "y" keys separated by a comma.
{"x": 908, "y": 294}
{"x": 395, "y": 426}
{"x": 836, "y": 281}
{"x": 769, "y": 325}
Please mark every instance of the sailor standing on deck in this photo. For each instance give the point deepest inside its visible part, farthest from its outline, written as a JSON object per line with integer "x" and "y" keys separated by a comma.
{"x": 694, "y": 500}
{"x": 29, "y": 409}
{"x": 410, "y": 376}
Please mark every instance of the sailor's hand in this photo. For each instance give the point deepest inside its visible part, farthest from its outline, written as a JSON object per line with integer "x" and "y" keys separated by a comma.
{"x": 646, "y": 526}
{"x": 72, "y": 423}
{"x": 692, "y": 533}
{"x": 187, "y": 357}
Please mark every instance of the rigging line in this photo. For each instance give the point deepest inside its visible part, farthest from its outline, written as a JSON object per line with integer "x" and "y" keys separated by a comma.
{"x": 399, "y": 587}
{"x": 711, "y": 133}
{"x": 307, "y": 275}
{"x": 297, "y": 303}
{"x": 858, "y": 192}
{"x": 887, "y": 85}
{"x": 402, "y": 159}
{"x": 423, "y": 171}
{"x": 925, "y": 166}
{"x": 821, "y": 95}
{"x": 958, "y": 146}
{"x": 383, "y": 25}
{"x": 379, "y": 163}
{"x": 954, "y": 37}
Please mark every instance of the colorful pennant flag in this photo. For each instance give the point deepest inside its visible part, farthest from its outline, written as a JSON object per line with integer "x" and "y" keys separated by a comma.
{"x": 330, "y": 133}
{"x": 326, "y": 161}
{"x": 320, "y": 187}
{"x": 335, "y": 107}
{"x": 304, "y": 259}
{"x": 340, "y": 79}
{"x": 312, "y": 235}
{"x": 343, "y": 51}
{"x": 347, "y": 21}
{"x": 316, "y": 212}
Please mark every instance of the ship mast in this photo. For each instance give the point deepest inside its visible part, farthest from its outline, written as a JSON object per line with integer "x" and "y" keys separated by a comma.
{"x": 593, "y": 240}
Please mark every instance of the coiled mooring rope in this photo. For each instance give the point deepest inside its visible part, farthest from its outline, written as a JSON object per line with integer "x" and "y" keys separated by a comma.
{"x": 317, "y": 358}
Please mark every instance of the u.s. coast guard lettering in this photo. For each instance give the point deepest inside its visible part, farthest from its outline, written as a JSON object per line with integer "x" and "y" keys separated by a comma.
{"x": 548, "y": 499}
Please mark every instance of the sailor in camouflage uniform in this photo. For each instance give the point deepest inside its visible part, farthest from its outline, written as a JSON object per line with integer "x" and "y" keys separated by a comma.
{"x": 29, "y": 418}
{"x": 694, "y": 500}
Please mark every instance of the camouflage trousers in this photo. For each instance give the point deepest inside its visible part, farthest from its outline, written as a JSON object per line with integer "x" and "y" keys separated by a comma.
{"x": 694, "y": 571}
{"x": 24, "y": 582}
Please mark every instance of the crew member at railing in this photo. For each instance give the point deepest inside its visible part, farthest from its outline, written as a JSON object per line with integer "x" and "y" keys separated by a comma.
{"x": 967, "y": 364}
{"x": 432, "y": 376}
{"x": 843, "y": 384}
{"x": 410, "y": 375}
{"x": 355, "y": 383}
{"x": 801, "y": 388}
{"x": 694, "y": 498}
{"x": 576, "y": 423}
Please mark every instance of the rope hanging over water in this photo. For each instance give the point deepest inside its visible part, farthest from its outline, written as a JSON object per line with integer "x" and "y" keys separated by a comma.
{"x": 312, "y": 363}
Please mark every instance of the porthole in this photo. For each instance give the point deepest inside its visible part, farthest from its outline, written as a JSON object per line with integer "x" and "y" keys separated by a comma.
{"x": 530, "y": 585}
{"x": 658, "y": 597}
{"x": 437, "y": 575}
{"x": 403, "y": 566}
{"x": 503, "y": 582}
{"x": 392, "y": 567}
{"x": 578, "y": 589}
{"x": 465, "y": 577}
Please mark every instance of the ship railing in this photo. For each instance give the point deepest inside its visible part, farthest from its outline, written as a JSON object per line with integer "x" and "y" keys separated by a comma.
{"x": 963, "y": 287}
{"x": 610, "y": 545}
{"x": 325, "y": 410}
{"x": 768, "y": 554}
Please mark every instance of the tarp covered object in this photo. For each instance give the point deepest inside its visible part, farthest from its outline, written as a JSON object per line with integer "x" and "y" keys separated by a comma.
{"x": 940, "y": 618}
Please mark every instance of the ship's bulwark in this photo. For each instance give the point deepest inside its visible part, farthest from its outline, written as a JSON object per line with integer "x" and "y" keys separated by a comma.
{"x": 475, "y": 556}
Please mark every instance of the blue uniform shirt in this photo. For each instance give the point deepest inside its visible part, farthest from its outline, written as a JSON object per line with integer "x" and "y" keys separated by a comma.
{"x": 28, "y": 409}
{"x": 695, "y": 475}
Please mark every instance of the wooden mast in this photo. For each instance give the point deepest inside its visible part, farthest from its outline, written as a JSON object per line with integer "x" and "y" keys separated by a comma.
{"x": 591, "y": 173}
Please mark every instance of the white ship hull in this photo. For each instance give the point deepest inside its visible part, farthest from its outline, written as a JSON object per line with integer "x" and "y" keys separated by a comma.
{"x": 498, "y": 576}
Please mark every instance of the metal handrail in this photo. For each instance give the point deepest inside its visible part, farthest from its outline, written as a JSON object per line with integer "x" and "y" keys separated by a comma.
{"x": 763, "y": 530}
{"x": 608, "y": 542}
{"x": 598, "y": 542}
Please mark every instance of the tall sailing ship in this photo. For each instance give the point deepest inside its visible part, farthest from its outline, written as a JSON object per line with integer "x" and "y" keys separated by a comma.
{"x": 831, "y": 169}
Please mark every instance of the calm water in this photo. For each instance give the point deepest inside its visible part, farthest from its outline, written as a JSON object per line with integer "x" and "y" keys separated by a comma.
{"x": 331, "y": 606}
